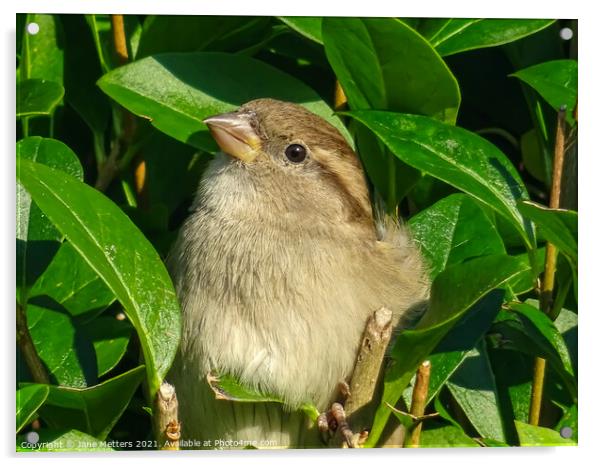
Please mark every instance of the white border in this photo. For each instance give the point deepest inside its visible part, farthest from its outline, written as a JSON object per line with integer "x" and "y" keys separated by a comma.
{"x": 589, "y": 183}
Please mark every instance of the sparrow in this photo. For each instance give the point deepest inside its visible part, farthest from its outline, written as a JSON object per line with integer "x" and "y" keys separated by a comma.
{"x": 277, "y": 268}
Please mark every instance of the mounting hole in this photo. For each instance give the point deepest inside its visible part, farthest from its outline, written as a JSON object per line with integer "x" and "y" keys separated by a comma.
{"x": 566, "y": 432}
{"x": 33, "y": 28}
{"x": 566, "y": 33}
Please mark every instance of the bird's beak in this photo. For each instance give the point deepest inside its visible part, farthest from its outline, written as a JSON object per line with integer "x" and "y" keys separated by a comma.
{"x": 235, "y": 135}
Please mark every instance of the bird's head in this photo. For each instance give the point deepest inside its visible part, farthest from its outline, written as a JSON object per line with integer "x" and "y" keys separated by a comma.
{"x": 295, "y": 156}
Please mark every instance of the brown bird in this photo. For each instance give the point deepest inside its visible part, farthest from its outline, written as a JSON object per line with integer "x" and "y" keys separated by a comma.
{"x": 277, "y": 268}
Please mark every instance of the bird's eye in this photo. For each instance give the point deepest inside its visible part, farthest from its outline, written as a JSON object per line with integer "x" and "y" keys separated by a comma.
{"x": 296, "y": 153}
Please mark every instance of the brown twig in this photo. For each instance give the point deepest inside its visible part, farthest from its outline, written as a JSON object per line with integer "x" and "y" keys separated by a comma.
{"x": 366, "y": 372}
{"x": 28, "y": 349}
{"x": 108, "y": 169}
{"x": 165, "y": 418}
{"x": 419, "y": 398}
{"x": 546, "y": 299}
{"x": 351, "y": 422}
{"x": 119, "y": 41}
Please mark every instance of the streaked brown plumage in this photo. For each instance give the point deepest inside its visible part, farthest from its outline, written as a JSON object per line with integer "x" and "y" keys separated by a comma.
{"x": 277, "y": 268}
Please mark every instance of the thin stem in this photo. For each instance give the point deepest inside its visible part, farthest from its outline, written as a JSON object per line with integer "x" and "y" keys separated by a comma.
{"x": 120, "y": 44}
{"x": 28, "y": 349}
{"x": 419, "y": 397}
{"x": 546, "y": 300}
{"x": 165, "y": 418}
{"x": 366, "y": 373}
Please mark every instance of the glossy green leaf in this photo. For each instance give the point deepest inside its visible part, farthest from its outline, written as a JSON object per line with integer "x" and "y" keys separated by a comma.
{"x": 513, "y": 373}
{"x": 119, "y": 253}
{"x": 38, "y": 97}
{"x": 73, "y": 284}
{"x": 42, "y": 54}
{"x": 64, "y": 440}
{"x": 558, "y": 226}
{"x": 555, "y": 81}
{"x": 525, "y": 281}
{"x": 177, "y": 91}
{"x": 110, "y": 338}
{"x": 453, "y": 293}
{"x": 65, "y": 351}
{"x": 100, "y": 27}
{"x": 382, "y": 63}
{"x": 457, "y": 344}
{"x": 453, "y": 230}
{"x": 93, "y": 410}
{"x": 37, "y": 238}
{"x": 533, "y": 155}
{"x": 82, "y": 70}
{"x": 474, "y": 389}
{"x": 446, "y": 437}
{"x": 456, "y": 156}
{"x": 29, "y": 399}
{"x": 527, "y": 329}
{"x": 535, "y": 436}
{"x": 162, "y": 33}
{"x": 546, "y": 328}
{"x": 227, "y": 387}
{"x": 307, "y": 26}
{"x": 566, "y": 322}
{"x": 455, "y": 35}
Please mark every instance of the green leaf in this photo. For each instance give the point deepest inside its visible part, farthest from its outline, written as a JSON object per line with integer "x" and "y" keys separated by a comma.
{"x": 119, "y": 253}
{"x": 72, "y": 283}
{"x": 445, "y": 437}
{"x": 307, "y": 26}
{"x": 93, "y": 410}
{"x": 534, "y": 156}
{"x": 162, "y": 33}
{"x": 177, "y": 91}
{"x": 546, "y": 329}
{"x": 42, "y": 54}
{"x": 558, "y": 226}
{"x": 555, "y": 81}
{"x": 64, "y": 440}
{"x": 453, "y": 293}
{"x": 82, "y": 70}
{"x": 456, "y": 156}
{"x": 524, "y": 282}
{"x": 566, "y": 323}
{"x": 535, "y": 436}
{"x": 29, "y": 400}
{"x": 37, "y": 238}
{"x": 474, "y": 389}
{"x": 382, "y": 63}
{"x": 513, "y": 372}
{"x": 453, "y": 230}
{"x": 457, "y": 345}
{"x": 38, "y": 97}
{"x": 110, "y": 338}
{"x": 527, "y": 329}
{"x": 227, "y": 387}
{"x": 100, "y": 26}
{"x": 65, "y": 351}
{"x": 451, "y": 36}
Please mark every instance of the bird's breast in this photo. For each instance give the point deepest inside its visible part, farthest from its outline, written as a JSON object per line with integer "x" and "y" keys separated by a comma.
{"x": 282, "y": 312}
